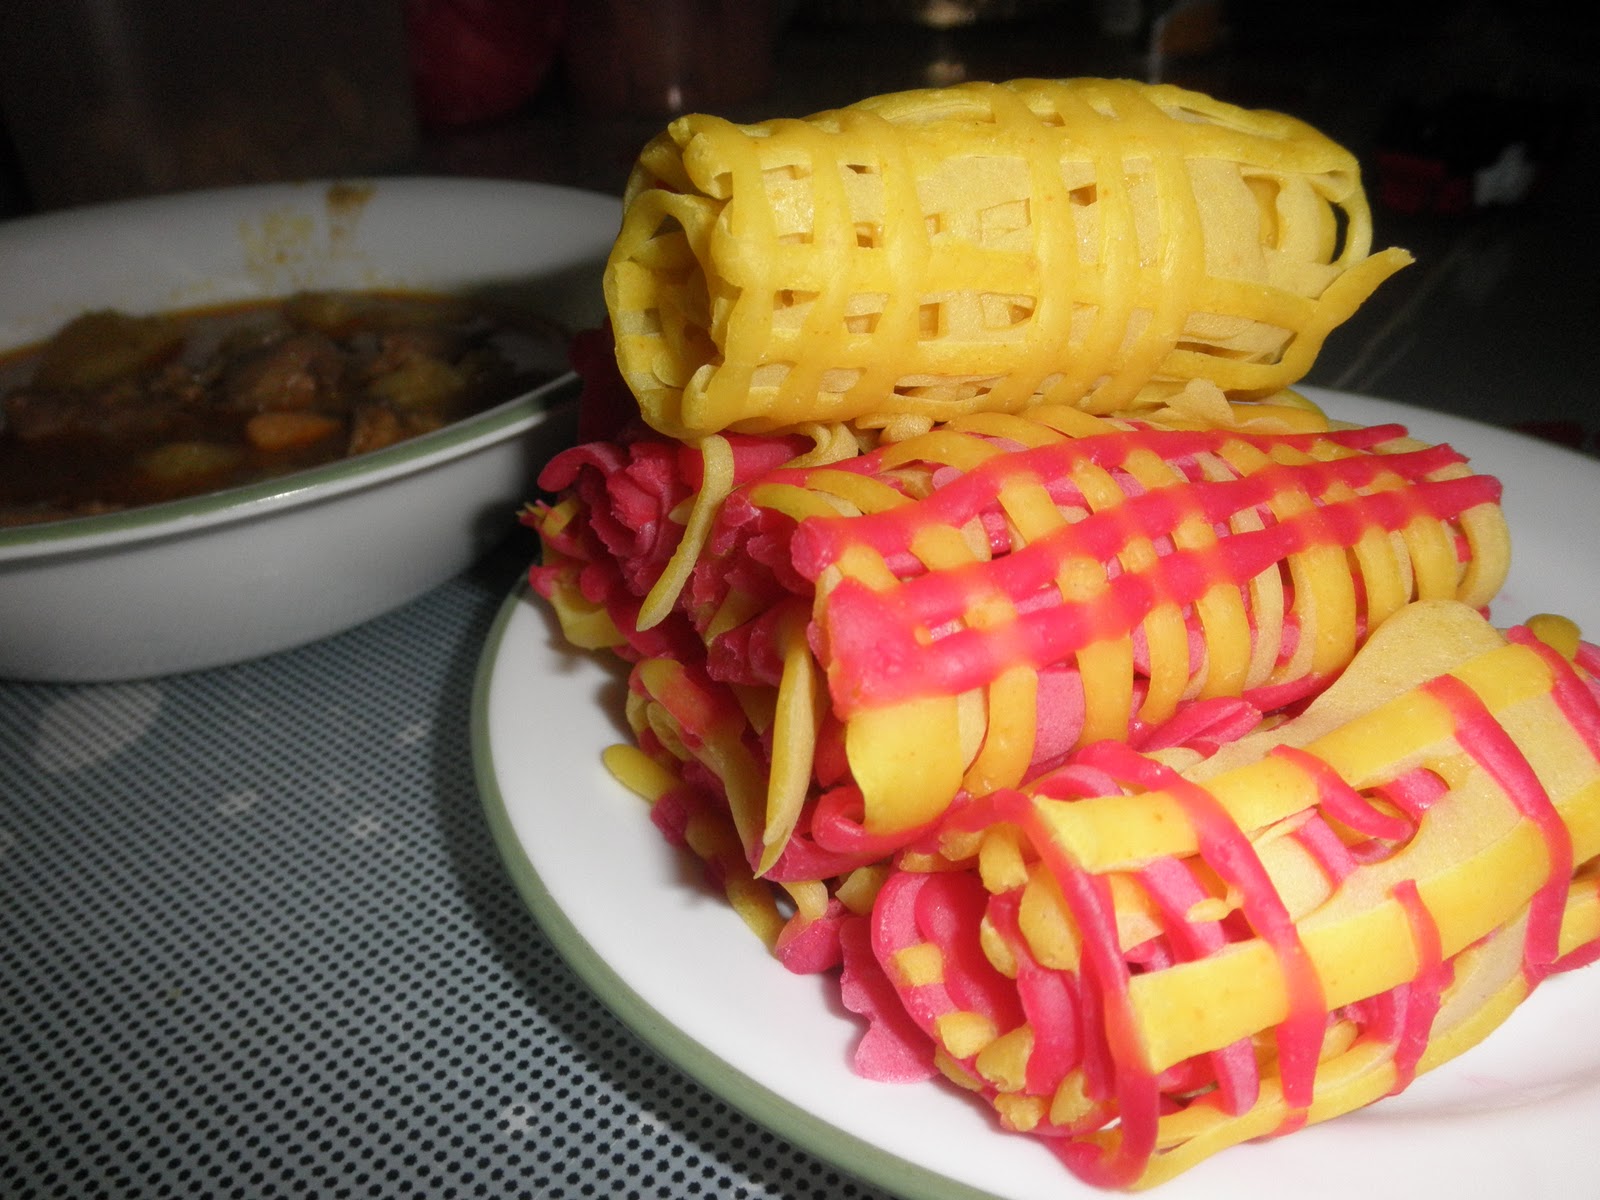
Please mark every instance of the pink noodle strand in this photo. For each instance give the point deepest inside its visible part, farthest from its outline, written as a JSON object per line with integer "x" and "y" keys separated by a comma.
{"x": 1227, "y": 850}
{"x": 1341, "y": 801}
{"x": 1172, "y": 886}
{"x": 1120, "y": 1163}
{"x": 1483, "y": 738}
{"x": 1424, "y": 991}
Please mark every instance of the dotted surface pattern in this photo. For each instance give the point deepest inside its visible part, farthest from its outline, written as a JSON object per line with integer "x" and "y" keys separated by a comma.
{"x": 256, "y": 941}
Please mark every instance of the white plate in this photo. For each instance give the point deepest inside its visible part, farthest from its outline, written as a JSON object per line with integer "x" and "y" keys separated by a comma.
{"x": 1517, "y": 1115}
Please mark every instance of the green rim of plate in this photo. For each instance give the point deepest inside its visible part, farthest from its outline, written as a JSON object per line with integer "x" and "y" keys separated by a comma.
{"x": 754, "y": 1100}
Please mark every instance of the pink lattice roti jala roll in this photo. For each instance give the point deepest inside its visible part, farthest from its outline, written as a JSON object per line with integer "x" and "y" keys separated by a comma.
{"x": 861, "y": 644}
{"x": 1145, "y": 962}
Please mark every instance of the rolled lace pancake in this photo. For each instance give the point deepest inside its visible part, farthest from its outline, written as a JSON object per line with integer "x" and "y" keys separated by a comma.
{"x": 862, "y": 644}
{"x": 985, "y": 247}
{"x": 1144, "y": 962}
{"x": 1004, "y": 634}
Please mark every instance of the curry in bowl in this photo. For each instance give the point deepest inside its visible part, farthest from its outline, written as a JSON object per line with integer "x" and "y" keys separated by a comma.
{"x": 118, "y": 410}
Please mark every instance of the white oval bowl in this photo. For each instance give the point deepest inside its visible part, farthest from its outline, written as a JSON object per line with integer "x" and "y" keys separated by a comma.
{"x": 240, "y": 573}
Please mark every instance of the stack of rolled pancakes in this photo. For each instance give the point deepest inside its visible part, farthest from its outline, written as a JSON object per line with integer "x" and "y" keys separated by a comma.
{"x": 1004, "y": 633}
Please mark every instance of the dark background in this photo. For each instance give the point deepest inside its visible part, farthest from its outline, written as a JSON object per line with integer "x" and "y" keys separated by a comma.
{"x": 1474, "y": 121}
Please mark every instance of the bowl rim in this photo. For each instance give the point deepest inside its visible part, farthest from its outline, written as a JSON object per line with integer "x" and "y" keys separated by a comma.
{"x": 308, "y": 485}
{"x": 150, "y": 522}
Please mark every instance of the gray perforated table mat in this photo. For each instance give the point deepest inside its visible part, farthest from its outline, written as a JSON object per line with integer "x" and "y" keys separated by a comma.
{"x": 255, "y": 941}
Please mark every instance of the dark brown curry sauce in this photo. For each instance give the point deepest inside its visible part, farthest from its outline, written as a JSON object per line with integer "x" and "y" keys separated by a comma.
{"x": 117, "y": 410}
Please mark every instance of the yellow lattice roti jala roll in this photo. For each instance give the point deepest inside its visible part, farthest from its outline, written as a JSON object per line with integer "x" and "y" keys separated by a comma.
{"x": 985, "y": 247}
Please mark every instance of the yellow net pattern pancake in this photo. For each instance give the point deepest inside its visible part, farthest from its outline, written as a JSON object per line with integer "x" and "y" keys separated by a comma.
{"x": 986, "y": 247}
